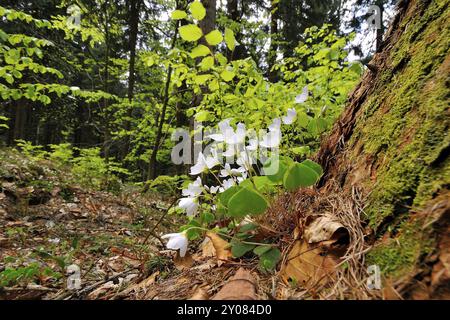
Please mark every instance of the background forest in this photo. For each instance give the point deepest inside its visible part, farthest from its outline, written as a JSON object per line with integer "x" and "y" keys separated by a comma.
{"x": 124, "y": 79}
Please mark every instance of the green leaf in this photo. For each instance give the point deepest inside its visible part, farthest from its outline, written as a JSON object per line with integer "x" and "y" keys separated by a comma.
{"x": 221, "y": 58}
{"x": 214, "y": 37}
{"x": 334, "y": 54}
{"x": 15, "y": 39}
{"x": 238, "y": 249}
{"x": 247, "y": 201}
{"x": 213, "y": 85}
{"x": 313, "y": 165}
{"x": 148, "y": 61}
{"x": 268, "y": 260}
{"x": 356, "y": 68}
{"x": 225, "y": 196}
{"x": 190, "y": 32}
{"x": 208, "y": 217}
{"x": 302, "y": 119}
{"x": 275, "y": 168}
{"x": 299, "y": 175}
{"x": 263, "y": 183}
{"x": 202, "y": 78}
{"x": 301, "y": 151}
{"x": 200, "y": 51}
{"x": 317, "y": 126}
{"x": 178, "y": 15}
{"x": 260, "y": 250}
{"x": 227, "y": 75}
{"x": 203, "y": 116}
{"x": 9, "y": 78}
{"x": 248, "y": 227}
{"x": 198, "y": 11}
{"x": 207, "y": 63}
{"x": 194, "y": 233}
{"x": 230, "y": 40}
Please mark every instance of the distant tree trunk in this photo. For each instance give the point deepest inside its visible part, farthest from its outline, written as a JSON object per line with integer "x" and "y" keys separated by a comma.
{"x": 235, "y": 15}
{"x": 21, "y": 111}
{"x": 133, "y": 24}
{"x": 207, "y": 25}
{"x": 380, "y": 31}
{"x": 209, "y": 22}
{"x": 273, "y": 50}
{"x": 153, "y": 163}
{"x": 106, "y": 133}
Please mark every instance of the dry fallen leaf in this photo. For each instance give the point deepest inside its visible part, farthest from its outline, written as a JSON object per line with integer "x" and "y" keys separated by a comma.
{"x": 242, "y": 286}
{"x": 200, "y": 293}
{"x": 208, "y": 265}
{"x": 222, "y": 247}
{"x": 182, "y": 263}
{"x": 313, "y": 259}
{"x": 102, "y": 290}
{"x": 322, "y": 229}
{"x": 208, "y": 249}
{"x": 141, "y": 286}
{"x": 308, "y": 264}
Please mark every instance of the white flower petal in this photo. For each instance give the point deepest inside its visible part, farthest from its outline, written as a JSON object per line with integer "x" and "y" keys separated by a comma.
{"x": 183, "y": 249}
{"x": 214, "y": 189}
{"x": 177, "y": 241}
{"x": 169, "y": 235}
{"x": 225, "y": 125}
{"x": 276, "y": 125}
{"x": 228, "y": 184}
{"x": 200, "y": 165}
{"x": 194, "y": 189}
{"x": 225, "y": 172}
{"x": 291, "y": 116}
{"x": 217, "y": 137}
{"x": 245, "y": 161}
{"x": 190, "y": 205}
{"x": 303, "y": 96}
{"x": 253, "y": 145}
{"x": 231, "y": 151}
{"x": 271, "y": 140}
{"x": 240, "y": 133}
{"x": 211, "y": 162}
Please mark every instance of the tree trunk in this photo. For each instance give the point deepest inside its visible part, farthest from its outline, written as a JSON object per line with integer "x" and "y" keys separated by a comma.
{"x": 380, "y": 30}
{"x": 209, "y": 22}
{"x": 273, "y": 75}
{"x": 162, "y": 118}
{"x": 20, "y": 120}
{"x": 135, "y": 6}
{"x": 392, "y": 144}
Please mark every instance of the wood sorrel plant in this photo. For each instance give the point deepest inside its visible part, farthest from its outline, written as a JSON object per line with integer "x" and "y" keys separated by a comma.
{"x": 227, "y": 195}
{"x": 240, "y": 189}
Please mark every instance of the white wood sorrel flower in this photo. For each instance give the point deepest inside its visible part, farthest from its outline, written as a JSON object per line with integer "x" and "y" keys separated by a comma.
{"x": 204, "y": 163}
{"x": 190, "y": 202}
{"x": 291, "y": 116}
{"x": 228, "y": 135}
{"x": 227, "y": 171}
{"x": 301, "y": 98}
{"x": 273, "y": 138}
{"x": 177, "y": 241}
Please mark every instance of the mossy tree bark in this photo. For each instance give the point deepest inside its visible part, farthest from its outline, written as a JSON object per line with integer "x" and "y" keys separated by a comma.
{"x": 392, "y": 142}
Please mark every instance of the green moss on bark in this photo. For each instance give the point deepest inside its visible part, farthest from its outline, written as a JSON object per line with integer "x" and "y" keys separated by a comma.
{"x": 403, "y": 128}
{"x": 405, "y": 122}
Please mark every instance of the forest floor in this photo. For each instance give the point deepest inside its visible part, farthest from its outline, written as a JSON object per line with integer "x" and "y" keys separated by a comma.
{"x": 54, "y": 230}
{"x": 51, "y": 226}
